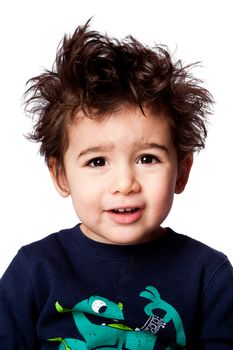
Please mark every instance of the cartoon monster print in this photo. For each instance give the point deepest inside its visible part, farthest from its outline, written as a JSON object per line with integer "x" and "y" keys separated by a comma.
{"x": 117, "y": 335}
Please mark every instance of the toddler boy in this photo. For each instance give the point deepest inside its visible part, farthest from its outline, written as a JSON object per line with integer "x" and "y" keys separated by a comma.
{"x": 118, "y": 124}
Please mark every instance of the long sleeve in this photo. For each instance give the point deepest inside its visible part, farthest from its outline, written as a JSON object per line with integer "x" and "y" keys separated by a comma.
{"x": 18, "y": 307}
{"x": 217, "y": 331}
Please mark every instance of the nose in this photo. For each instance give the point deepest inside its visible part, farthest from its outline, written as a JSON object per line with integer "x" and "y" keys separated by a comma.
{"x": 125, "y": 181}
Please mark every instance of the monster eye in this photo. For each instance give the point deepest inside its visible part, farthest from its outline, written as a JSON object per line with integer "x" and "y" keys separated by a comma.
{"x": 99, "y": 306}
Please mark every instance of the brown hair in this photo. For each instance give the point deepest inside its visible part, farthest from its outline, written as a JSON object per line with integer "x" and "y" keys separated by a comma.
{"x": 98, "y": 74}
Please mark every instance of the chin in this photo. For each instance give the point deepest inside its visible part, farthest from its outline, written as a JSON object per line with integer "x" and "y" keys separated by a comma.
{"x": 129, "y": 239}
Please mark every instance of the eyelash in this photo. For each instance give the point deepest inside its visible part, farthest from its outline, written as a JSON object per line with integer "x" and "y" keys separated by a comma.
{"x": 91, "y": 162}
{"x": 153, "y": 159}
{"x": 101, "y": 162}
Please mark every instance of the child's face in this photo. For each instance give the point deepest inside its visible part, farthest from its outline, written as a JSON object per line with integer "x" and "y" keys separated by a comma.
{"x": 122, "y": 173}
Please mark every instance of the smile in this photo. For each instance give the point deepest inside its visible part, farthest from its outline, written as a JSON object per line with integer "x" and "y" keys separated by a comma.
{"x": 125, "y": 216}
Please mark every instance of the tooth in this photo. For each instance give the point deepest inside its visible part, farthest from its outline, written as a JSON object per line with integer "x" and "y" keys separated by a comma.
{"x": 124, "y": 210}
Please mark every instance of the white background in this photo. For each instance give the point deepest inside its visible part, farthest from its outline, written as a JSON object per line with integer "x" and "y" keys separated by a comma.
{"x": 29, "y": 34}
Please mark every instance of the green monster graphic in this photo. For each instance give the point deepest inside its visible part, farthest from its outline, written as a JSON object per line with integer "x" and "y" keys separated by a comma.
{"x": 117, "y": 335}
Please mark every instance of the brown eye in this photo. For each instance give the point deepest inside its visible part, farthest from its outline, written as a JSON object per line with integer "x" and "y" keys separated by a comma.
{"x": 148, "y": 159}
{"x": 97, "y": 162}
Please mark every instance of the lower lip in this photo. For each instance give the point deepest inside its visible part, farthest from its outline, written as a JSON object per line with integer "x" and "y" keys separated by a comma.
{"x": 125, "y": 218}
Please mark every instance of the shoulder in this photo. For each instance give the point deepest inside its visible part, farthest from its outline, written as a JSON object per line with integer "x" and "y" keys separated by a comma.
{"x": 50, "y": 246}
{"x": 201, "y": 265}
{"x": 194, "y": 248}
{"x": 196, "y": 256}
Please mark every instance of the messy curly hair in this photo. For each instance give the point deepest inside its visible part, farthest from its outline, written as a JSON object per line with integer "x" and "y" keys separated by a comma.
{"x": 97, "y": 74}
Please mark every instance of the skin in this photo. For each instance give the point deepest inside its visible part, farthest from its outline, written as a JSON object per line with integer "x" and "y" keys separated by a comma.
{"x": 124, "y": 160}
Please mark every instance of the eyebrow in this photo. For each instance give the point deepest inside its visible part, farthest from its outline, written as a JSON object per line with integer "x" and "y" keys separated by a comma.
{"x": 108, "y": 147}
{"x": 95, "y": 149}
{"x": 146, "y": 145}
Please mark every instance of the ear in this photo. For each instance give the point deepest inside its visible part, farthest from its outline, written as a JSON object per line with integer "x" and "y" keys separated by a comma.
{"x": 59, "y": 178}
{"x": 183, "y": 173}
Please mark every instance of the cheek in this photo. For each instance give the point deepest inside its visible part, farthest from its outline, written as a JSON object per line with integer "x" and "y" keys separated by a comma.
{"x": 163, "y": 183}
{"x": 161, "y": 192}
{"x": 85, "y": 196}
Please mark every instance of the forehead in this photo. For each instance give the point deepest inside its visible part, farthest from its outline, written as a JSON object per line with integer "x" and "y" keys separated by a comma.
{"x": 125, "y": 127}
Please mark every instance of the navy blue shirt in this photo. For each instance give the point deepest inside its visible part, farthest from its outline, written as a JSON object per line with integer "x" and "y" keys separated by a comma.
{"x": 69, "y": 292}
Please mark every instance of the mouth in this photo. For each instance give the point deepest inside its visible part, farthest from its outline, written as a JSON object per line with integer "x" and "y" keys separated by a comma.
{"x": 127, "y": 211}
{"x": 118, "y": 326}
{"x": 125, "y": 215}
{"x": 101, "y": 321}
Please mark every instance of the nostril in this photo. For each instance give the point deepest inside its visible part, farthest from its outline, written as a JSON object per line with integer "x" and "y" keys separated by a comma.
{"x": 125, "y": 184}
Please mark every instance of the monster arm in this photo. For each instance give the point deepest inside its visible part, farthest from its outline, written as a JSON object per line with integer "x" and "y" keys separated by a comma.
{"x": 171, "y": 314}
{"x": 70, "y": 344}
